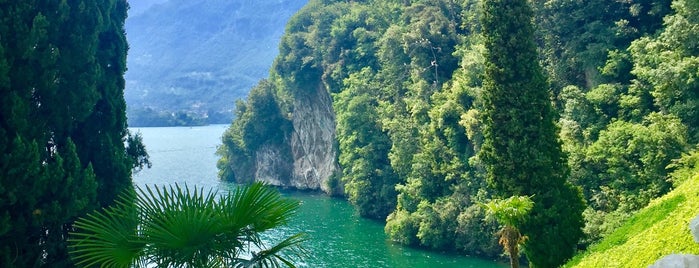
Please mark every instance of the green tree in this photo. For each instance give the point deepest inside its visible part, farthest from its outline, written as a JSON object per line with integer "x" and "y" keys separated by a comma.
{"x": 437, "y": 204}
{"x": 521, "y": 150}
{"x": 62, "y": 121}
{"x": 259, "y": 121}
{"x": 136, "y": 151}
{"x": 364, "y": 146}
{"x": 667, "y": 66}
{"x": 182, "y": 227}
{"x": 511, "y": 213}
{"x": 626, "y": 167}
{"x": 577, "y": 36}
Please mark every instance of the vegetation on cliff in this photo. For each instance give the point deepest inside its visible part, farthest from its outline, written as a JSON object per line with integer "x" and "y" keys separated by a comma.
{"x": 410, "y": 82}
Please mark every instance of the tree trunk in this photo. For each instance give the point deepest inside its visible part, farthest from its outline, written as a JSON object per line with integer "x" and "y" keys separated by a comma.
{"x": 509, "y": 239}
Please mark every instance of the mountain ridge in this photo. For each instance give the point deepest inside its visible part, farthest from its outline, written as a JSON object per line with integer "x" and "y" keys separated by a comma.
{"x": 190, "y": 60}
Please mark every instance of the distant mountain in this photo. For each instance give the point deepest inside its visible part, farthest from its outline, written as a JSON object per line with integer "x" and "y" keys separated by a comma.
{"x": 137, "y": 7}
{"x": 189, "y": 60}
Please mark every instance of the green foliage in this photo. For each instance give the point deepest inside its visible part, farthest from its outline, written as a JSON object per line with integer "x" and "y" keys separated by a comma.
{"x": 431, "y": 147}
{"x": 626, "y": 167}
{"x": 599, "y": 224}
{"x": 262, "y": 121}
{"x": 659, "y": 229}
{"x": 182, "y": 227}
{"x": 62, "y": 122}
{"x": 434, "y": 100}
{"x": 402, "y": 227}
{"x": 623, "y": 136}
{"x": 683, "y": 167}
{"x": 511, "y": 211}
{"x": 442, "y": 183}
{"x": 367, "y": 175}
{"x": 476, "y": 235}
{"x": 259, "y": 122}
{"x": 667, "y": 66}
{"x": 579, "y": 37}
{"x": 521, "y": 150}
{"x": 136, "y": 151}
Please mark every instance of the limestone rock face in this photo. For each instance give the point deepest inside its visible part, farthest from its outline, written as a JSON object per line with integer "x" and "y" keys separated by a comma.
{"x": 308, "y": 157}
{"x": 271, "y": 166}
{"x": 313, "y": 141}
{"x": 677, "y": 261}
{"x": 694, "y": 229}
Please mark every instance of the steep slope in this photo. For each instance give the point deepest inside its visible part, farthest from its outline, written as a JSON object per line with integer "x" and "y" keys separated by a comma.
{"x": 190, "y": 60}
{"x": 659, "y": 229}
{"x": 382, "y": 101}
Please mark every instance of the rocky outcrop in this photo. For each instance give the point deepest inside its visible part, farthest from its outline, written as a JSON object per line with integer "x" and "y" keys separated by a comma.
{"x": 313, "y": 141}
{"x": 677, "y": 261}
{"x": 272, "y": 165}
{"x": 308, "y": 157}
{"x": 681, "y": 260}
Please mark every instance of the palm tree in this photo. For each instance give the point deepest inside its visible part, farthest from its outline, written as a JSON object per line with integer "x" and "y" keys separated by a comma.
{"x": 179, "y": 227}
{"x": 511, "y": 213}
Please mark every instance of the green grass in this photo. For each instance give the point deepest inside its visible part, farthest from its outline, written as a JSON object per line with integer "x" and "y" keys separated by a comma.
{"x": 659, "y": 229}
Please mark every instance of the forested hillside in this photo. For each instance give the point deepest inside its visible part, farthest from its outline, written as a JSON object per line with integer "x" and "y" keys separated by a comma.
{"x": 189, "y": 60}
{"x": 412, "y": 86}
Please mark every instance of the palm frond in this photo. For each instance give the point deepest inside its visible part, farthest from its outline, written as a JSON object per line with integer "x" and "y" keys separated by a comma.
{"x": 510, "y": 211}
{"x": 108, "y": 237}
{"x": 181, "y": 227}
{"x": 282, "y": 253}
{"x": 257, "y": 206}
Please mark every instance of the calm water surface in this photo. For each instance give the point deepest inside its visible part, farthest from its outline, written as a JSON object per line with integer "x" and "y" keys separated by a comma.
{"x": 338, "y": 236}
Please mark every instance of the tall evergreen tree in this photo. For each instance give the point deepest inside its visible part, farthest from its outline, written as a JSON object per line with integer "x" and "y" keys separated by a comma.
{"x": 62, "y": 122}
{"x": 521, "y": 150}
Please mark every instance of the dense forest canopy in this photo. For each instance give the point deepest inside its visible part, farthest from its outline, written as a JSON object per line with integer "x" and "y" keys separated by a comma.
{"x": 409, "y": 80}
{"x": 63, "y": 135}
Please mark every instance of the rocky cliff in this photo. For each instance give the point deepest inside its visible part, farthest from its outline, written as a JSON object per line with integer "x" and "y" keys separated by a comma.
{"x": 307, "y": 157}
{"x": 313, "y": 141}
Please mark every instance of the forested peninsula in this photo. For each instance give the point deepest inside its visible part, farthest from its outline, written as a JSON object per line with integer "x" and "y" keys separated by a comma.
{"x": 419, "y": 112}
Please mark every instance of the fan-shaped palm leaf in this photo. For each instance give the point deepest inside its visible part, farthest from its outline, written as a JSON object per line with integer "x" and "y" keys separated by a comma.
{"x": 181, "y": 227}
{"x": 272, "y": 257}
{"x": 109, "y": 237}
{"x": 511, "y": 211}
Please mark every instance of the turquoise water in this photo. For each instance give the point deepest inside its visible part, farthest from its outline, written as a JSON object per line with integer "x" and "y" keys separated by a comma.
{"x": 338, "y": 237}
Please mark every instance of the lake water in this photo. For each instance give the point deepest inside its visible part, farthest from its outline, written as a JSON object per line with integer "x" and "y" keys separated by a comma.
{"x": 338, "y": 237}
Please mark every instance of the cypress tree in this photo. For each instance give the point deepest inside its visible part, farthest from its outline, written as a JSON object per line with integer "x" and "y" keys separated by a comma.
{"x": 62, "y": 122}
{"x": 521, "y": 150}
